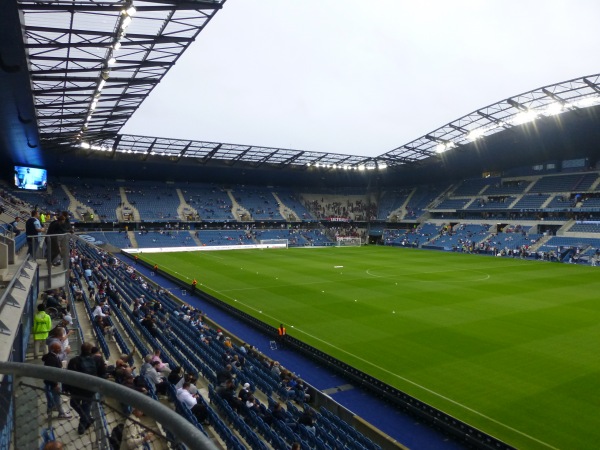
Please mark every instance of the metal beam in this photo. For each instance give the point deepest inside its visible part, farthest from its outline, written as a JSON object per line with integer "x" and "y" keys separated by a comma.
{"x": 117, "y": 7}
{"x": 517, "y": 105}
{"x": 592, "y": 85}
{"x": 212, "y": 153}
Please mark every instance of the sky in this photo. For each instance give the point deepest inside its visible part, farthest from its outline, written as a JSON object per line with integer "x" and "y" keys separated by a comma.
{"x": 363, "y": 77}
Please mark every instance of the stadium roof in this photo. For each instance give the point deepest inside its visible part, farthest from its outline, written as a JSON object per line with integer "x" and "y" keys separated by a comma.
{"x": 91, "y": 64}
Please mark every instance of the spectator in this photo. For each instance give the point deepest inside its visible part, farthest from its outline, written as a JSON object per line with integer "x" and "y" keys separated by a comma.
{"x": 42, "y": 324}
{"x": 81, "y": 399}
{"x": 14, "y": 226}
{"x": 33, "y": 228}
{"x": 135, "y": 436}
{"x": 161, "y": 367}
{"x": 58, "y": 335}
{"x": 190, "y": 400}
{"x": 244, "y": 392}
{"x": 160, "y": 383}
{"x": 53, "y": 388}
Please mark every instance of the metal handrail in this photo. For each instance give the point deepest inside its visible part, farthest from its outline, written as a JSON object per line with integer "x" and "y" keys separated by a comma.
{"x": 192, "y": 437}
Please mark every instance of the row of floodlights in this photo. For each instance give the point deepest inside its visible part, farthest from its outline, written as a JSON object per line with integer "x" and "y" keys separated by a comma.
{"x": 125, "y": 20}
{"x": 522, "y": 118}
{"x": 360, "y": 167}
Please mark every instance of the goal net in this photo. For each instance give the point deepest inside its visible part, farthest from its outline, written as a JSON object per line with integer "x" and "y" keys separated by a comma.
{"x": 349, "y": 242}
{"x": 276, "y": 243}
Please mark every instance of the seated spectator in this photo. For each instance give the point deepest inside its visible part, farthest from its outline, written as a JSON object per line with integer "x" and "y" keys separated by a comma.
{"x": 190, "y": 400}
{"x": 149, "y": 323}
{"x": 176, "y": 376}
{"x": 122, "y": 371}
{"x": 244, "y": 392}
{"x": 146, "y": 365}
{"x": 14, "y": 226}
{"x": 224, "y": 374}
{"x": 136, "y": 383}
{"x": 161, "y": 367}
{"x": 227, "y": 392}
{"x": 307, "y": 419}
{"x": 135, "y": 436}
{"x": 160, "y": 383}
{"x": 53, "y": 301}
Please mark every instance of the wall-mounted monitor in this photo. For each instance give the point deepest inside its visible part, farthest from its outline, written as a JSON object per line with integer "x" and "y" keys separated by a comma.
{"x": 31, "y": 178}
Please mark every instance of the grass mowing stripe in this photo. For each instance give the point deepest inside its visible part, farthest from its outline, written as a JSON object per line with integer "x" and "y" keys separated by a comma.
{"x": 477, "y": 337}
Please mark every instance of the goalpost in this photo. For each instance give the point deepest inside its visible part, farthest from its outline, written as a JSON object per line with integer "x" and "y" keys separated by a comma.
{"x": 348, "y": 241}
{"x": 275, "y": 243}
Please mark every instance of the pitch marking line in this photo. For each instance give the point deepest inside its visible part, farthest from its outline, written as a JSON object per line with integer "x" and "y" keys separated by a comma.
{"x": 491, "y": 419}
{"x": 486, "y": 277}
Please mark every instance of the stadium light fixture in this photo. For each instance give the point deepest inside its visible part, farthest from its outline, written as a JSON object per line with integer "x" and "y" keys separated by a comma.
{"x": 554, "y": 108}
{"x": 112, "y": 61}
{"x": 126, "y": 22}
{"x": 130, "y": 11}
{"x": 525, "y": 117}
{"x": 476, "y": 134}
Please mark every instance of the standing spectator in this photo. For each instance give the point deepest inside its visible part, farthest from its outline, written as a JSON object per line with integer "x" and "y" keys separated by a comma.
{"x": 42, "y": 324}
{"x": 81, "y": 399}
{"x": 56, "y": 227}
{"x": 53, "y": 388}
{"x": 59, "y": 335}
{"x": 33, "y": 228}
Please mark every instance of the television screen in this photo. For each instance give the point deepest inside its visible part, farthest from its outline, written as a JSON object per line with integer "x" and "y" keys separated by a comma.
{"x": 30, "y": 178}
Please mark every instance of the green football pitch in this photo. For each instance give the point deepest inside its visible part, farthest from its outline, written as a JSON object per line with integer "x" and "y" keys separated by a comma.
{"x": 508, "y": 346}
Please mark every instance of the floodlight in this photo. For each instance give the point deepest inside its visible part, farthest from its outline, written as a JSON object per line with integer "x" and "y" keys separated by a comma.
{"x": 112, "y": 61}
{"x": 117, "y": 45}
{"x": 440, "y": 148}
{"x": 84, "y": 145}
{"x": 93, "y": 105}
{"x": 361, "y": 167}
{"x": 101, "y": 85}
{"x": 554, "y": 108}
{"x": 126, "y": 21}
{"x": 105, "y": 74}
{"x": 587, "y": 102}
{"x": 382, "y": 166}
{"x": 130, "y": 11}
{"x": 476, "y": 134}
{"x": 525, "y": 117}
